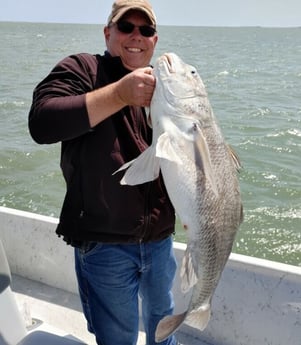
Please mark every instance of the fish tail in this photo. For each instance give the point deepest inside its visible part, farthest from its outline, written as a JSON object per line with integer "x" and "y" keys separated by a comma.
{"x": 168, "y": 325}
{"x": 199, "y": 318}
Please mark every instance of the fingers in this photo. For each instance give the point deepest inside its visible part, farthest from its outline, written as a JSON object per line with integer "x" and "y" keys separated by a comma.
{"x": 138, "y": 86}
{"x": 148, "y": 86}
{"x": 149, "y": 77}
{"x": 147, "y": 70}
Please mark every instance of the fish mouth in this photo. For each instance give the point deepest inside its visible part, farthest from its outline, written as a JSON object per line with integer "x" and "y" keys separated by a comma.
{"x": 169, "y": 62}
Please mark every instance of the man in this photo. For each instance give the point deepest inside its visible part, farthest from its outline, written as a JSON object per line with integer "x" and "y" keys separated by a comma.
{"x": 93, "y": 105}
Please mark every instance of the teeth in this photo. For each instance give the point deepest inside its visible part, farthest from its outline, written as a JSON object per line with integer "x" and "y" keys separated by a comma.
{"x": 134, "y": 50}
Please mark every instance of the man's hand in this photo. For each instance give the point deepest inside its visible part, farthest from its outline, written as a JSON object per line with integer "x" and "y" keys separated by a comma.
{"x": 137, "y": 87}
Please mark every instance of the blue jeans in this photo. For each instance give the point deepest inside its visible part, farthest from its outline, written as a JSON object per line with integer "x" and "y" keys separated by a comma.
{"x": 110, "y": 277}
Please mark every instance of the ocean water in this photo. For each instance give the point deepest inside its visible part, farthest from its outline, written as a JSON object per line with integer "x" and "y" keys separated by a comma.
{"x": 253, "y": 78}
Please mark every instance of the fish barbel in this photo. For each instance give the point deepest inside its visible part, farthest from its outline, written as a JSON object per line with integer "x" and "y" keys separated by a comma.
{"x": 200, "y": 174}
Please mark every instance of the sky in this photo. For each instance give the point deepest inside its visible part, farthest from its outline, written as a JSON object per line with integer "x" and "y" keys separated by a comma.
{"x": 271, "y": 13}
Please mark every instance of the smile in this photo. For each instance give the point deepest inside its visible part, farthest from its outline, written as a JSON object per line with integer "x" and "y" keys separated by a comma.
{"x": 134, "y": 50}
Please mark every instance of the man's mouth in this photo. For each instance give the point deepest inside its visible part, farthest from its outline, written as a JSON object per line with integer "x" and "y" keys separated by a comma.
{"x": 134, "y": 50}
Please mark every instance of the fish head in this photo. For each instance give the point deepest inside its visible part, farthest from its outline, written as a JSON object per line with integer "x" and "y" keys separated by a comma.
{"x": 179, "y": 88}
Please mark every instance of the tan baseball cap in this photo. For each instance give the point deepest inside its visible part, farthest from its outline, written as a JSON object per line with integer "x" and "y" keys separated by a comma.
{"x": 120, "y": 7}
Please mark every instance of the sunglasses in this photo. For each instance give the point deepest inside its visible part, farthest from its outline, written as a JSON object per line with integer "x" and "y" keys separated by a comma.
{"x": 127, "y": 28}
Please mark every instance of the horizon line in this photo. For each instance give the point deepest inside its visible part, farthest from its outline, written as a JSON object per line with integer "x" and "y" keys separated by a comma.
{"x": 163, "y": 25}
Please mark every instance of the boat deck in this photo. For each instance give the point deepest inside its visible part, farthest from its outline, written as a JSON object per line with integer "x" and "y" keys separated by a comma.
{"x": 60, "y": 311}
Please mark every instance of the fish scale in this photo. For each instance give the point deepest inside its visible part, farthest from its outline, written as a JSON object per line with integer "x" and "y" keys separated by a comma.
{"x": 200, "y": 174}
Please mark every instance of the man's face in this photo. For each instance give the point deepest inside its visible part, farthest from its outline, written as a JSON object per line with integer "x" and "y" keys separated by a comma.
{"x": 134, "y": 49}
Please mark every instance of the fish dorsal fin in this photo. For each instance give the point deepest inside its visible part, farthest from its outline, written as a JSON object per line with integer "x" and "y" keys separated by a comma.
{"x": 235, "y": 158}
{"x": 165, "y": 150}
{"x": 143, "y": 169}
{"x": 202, "y": 157}
{"x": 188, "y": 272}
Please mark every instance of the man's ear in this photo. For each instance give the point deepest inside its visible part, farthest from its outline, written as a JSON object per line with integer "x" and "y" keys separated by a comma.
{"x": 106, "y": 31}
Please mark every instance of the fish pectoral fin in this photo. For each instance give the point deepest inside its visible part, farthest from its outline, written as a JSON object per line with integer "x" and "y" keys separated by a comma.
{"x": 165, "y": 150}
{"x": 188, "y": 272}
{"x": 202, "y": 158}
{"x": 143, "y": 169}
{"x": 199, "y": 318}
{"x": 168, "y": 325}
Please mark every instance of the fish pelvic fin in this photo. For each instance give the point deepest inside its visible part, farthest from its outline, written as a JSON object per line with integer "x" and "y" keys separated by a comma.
{"x": 168, "y": 325}
{"x": 199, "y": 318}
{"x": 143, "y": 169}
{"x": 188, "y": 272}
{"x": 202, "y": 157}
{"x": 165, "y": 149}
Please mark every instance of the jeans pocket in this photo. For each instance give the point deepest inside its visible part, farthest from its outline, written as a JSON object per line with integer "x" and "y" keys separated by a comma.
{"x": 88, "y": 247}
